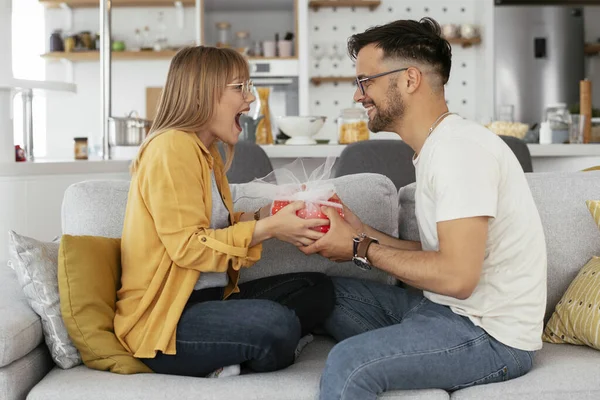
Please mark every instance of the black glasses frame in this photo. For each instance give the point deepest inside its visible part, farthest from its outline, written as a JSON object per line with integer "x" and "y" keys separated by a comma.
{"x": 359, "y": 81}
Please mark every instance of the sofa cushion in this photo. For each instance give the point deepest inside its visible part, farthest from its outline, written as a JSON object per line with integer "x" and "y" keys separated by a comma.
{"x": 89, "y": 274}
{"x": 21, "y": 327}
{"x": 576, "y": 319}
{"x": 297, "y": 382}
{"x": 36, "y": 264}
{"x": 594, "y": 207}
{"x": 571, "y": 235}
{"x": 560, "y": 371}
{"x": 17, "y": 379}
{"x": 97, "y": 208}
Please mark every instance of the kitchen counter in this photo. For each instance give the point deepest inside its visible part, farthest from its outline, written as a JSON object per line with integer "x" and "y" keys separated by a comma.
{"x": 64, "y": 167}
{"x": 564, "y": 150}
{"x": 282, "y": 153}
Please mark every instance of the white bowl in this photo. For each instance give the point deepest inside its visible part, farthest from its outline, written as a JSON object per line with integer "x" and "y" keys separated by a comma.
{"x": 300, "y": 129}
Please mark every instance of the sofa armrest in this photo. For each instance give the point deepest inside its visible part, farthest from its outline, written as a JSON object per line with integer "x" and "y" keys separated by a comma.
{"x": 21, "y": 327}
{"x": 18, "y": 378}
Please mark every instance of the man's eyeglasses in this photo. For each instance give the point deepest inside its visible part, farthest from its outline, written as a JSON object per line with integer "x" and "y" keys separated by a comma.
{"x": 359, "y": 81}
{"x": 246, "y": 87}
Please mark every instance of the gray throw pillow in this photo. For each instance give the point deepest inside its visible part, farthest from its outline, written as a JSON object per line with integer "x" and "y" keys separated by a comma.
{"x": 36, "y": 266}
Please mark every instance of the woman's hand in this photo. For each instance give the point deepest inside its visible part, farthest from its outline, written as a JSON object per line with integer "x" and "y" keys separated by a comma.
{"x": 288, "y": 227}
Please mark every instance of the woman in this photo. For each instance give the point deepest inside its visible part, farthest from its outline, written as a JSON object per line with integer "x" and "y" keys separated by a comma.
{"x": 180, "y": 309}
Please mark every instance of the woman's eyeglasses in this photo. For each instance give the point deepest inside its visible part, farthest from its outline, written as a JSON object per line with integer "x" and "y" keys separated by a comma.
{"x": 246, "y": 87}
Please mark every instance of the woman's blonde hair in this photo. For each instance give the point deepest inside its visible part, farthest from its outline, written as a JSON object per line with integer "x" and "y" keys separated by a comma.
{"x": 195, "y": 82}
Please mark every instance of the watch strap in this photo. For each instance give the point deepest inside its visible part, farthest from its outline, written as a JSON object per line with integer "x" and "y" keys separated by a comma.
{"x": 363, "y": 246}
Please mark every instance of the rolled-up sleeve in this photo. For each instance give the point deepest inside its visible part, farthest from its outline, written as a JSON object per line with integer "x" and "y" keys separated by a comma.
{"x": 172, "y": 185}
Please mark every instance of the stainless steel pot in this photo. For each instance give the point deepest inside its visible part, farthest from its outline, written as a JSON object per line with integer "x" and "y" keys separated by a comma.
{"x": 127, "y": 131}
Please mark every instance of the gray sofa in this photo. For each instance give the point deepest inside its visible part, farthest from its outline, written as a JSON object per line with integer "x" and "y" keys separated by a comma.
{"x": 96, "y": 208}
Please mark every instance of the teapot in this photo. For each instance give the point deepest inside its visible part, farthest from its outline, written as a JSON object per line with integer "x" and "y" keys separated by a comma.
{"x": 249, "y": 126}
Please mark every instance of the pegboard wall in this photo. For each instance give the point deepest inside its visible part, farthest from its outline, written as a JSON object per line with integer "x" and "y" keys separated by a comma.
{"x": 330, "y": 28}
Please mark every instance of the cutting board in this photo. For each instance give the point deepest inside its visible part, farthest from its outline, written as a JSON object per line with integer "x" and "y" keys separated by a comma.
{"x": 152, "y": 98}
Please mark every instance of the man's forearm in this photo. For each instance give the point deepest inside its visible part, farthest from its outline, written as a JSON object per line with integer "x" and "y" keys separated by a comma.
{"x": 389, "y": 241}
{"x": 426, "y": 270}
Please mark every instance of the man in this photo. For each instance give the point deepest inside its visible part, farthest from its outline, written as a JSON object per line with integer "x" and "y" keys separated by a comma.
{"x": 481, "y": 261}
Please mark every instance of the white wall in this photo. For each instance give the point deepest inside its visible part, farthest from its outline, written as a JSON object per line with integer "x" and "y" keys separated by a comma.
{"x": 5, "y": 38}
{"x": 31, "y": 204}
{"x": 6, "y": 133}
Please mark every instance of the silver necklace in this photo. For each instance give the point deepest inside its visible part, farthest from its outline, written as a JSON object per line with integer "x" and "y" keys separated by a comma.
{"x": 434, "y": 125}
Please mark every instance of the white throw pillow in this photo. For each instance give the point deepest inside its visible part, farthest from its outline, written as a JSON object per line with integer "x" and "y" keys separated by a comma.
{"x": 36, "y": 266}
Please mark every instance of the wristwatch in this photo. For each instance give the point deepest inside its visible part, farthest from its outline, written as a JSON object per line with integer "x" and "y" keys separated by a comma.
{"x": 361, "y": 246}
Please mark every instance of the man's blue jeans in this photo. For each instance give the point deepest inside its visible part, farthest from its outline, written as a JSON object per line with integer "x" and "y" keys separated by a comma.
{"x": 393, "y": 338}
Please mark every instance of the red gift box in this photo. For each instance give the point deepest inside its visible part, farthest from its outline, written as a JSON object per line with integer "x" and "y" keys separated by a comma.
{"x": 312, "y": 210}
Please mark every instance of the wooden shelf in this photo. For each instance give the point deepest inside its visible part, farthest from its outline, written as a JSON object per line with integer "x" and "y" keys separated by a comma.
{"x": 83, "y": 56}
{"x": 592, "y": 49}
{"x": 115, "y": 55}
{"x": 317, "y": 80}
{"x": 465, "y": 42}
{"x": 115, "y": 3}
{"x": 316, "y": 4}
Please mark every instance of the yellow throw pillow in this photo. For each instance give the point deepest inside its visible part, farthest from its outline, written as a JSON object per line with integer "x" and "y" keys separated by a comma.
{"x": 594, "y": 207}
{"x": 89, "y": 274}
{"x": 576, "y": 319}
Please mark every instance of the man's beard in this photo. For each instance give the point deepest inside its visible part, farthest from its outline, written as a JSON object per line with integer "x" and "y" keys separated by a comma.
{"x": 385, "y": 117}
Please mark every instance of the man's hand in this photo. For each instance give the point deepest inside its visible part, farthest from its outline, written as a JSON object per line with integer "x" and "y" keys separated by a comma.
{"x": 384, "y": 239}
{"x": 337, "y": 244}
{"x": 351, "y": 218}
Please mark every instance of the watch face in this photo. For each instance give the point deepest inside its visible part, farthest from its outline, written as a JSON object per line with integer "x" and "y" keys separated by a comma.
{"x": 361, "y": 263}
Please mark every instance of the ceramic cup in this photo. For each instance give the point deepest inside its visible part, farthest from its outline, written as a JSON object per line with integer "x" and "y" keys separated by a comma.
{"x": 285, "y": 48}
{"x": 269, "y": 48}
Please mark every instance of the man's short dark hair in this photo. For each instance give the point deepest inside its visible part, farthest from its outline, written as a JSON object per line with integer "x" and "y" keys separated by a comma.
{"x": 421, "y": 41}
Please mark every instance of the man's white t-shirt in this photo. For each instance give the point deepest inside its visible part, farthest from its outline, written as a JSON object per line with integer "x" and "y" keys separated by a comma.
{"x": 464, "y": 170}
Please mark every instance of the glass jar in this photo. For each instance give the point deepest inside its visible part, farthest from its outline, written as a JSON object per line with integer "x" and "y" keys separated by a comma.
{"x": 353, "y": 126}
{"x": 81, "y": 148}
{"x": 223, "y": 34}
{"x": 506, "y": 113}
{"x": 86, "y": 40}
{"x": 69, "y": 43}
{"x": 56, "y": 41}
{"x": 242, "y": 42}
{"x": 559, "y": 120}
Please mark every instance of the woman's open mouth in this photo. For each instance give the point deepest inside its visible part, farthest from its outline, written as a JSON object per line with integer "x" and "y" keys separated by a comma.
{"x": 238, "y": 125}
{"x": 237, "y": 121}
